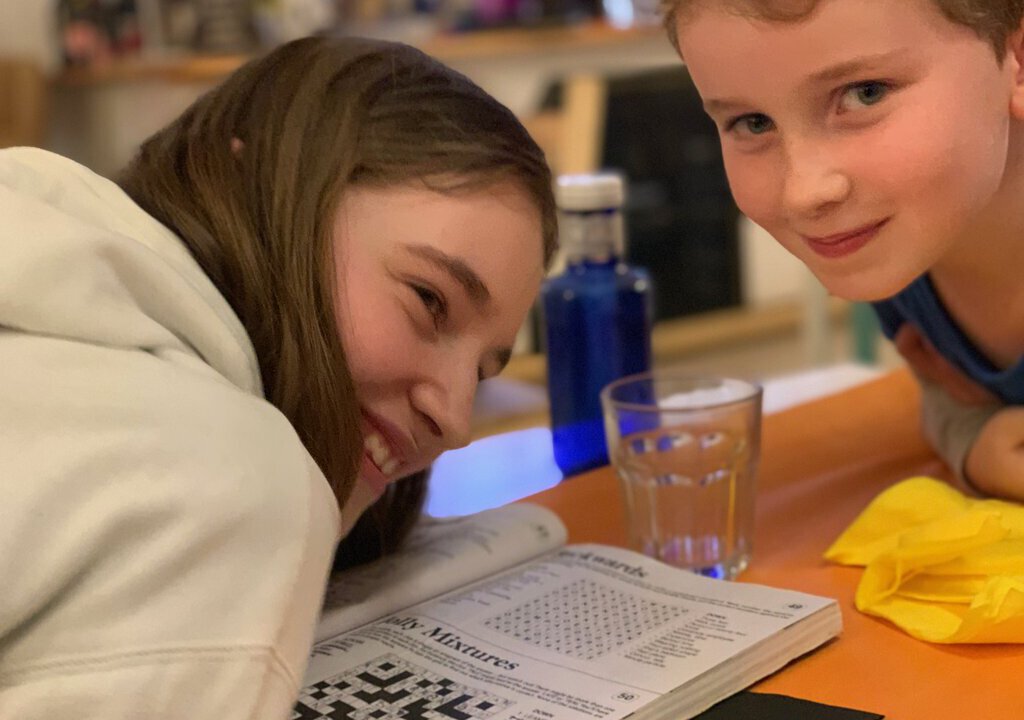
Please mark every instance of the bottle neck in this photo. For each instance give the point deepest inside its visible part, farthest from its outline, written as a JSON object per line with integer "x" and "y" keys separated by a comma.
{"x": 582, "y": 263}
{"x": 593, "y": 236}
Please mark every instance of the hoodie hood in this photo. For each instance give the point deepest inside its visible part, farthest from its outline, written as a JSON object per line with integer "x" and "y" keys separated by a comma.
{"x": 82, "y": 261}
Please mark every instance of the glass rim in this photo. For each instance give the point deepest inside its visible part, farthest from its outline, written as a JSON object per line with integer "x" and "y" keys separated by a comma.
{"x": 755, "y": 389}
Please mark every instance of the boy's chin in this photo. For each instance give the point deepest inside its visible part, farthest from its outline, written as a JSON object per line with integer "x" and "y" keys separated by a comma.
{"x": 866, "y": 288}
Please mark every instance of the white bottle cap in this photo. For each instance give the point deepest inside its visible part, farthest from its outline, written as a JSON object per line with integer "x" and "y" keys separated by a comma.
{"x": 590, "y": 222}
{"x": 582, "y": 193}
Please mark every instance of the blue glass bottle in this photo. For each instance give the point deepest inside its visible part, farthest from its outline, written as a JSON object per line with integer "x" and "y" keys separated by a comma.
{"x": 597, "y": 315}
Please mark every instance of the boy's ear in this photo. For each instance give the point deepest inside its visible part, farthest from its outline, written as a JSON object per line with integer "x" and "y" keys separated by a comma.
{"x": 1015, "y": 59}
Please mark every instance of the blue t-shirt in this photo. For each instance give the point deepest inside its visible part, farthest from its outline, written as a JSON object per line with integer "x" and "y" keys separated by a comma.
{"x": 920, "y": 305}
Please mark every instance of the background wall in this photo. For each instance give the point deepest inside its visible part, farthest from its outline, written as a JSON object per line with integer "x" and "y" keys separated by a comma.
{"x": 27, "y": 29}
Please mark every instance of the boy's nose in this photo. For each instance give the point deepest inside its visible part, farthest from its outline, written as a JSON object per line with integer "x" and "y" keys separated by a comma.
{"x": 813, "y": 184}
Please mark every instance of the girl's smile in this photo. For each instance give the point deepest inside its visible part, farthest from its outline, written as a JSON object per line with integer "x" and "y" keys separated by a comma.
{"x": 385, "y": 451}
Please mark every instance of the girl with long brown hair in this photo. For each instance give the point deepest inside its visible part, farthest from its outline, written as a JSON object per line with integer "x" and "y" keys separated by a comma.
{"x": 249, "y": 347}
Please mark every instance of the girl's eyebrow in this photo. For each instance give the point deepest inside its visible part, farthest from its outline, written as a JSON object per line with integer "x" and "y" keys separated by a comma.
{"x": 463, "y": 274}
{"x": 470, "y": 281}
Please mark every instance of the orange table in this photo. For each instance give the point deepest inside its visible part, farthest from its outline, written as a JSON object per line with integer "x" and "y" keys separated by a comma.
{"x": 821, "y": 464}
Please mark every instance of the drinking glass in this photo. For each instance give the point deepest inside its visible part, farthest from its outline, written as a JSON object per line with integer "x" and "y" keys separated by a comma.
{"x": 686, "y": 449}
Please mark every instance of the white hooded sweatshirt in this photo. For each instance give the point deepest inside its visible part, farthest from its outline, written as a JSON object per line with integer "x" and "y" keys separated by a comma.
{"x": 164, "y": 535}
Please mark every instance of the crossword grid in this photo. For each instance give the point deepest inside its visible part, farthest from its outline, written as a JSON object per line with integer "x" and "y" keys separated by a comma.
{"x": 583, "y": 620}
{"x": 389, "y": 688}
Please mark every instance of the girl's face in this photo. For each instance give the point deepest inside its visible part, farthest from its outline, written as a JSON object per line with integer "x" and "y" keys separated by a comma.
{"x": 432, "y": 289}
{"x": 871, "y": 139}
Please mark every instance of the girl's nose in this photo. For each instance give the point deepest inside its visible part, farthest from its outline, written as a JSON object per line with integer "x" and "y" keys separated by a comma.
{"x": 447, "y": 404}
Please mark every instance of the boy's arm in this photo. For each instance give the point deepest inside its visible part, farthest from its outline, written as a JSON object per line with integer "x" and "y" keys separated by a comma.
{"x": 951, "y": 427}
{"x": 981, "y": 439}
{"x": 995, "y": 461}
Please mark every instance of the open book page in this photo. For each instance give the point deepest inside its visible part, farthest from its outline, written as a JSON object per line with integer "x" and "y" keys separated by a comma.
{"x": 439, "y": 555}
{"x": 583, "y": 632}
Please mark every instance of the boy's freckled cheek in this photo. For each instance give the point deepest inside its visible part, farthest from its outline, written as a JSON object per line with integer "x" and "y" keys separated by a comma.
{"x": 755, "y": 188}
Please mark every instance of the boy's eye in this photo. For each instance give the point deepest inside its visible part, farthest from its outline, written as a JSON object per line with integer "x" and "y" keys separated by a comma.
{"x": 863, "y": 94}
{"x": 433, "y": 302}
{"x": 752, "y": 124}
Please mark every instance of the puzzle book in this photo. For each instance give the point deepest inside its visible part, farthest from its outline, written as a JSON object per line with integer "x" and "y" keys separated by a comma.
{"x": 492, "y": 616}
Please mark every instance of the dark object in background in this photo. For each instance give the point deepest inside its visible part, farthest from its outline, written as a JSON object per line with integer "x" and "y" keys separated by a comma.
{"x": 681, "y": 220}
{"x": 96, "y": 31}
{"x": 472, "y": 15}
{"x": 224, "y": 26}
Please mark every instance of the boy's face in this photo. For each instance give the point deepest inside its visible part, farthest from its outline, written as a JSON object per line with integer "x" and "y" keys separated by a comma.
{"x": 870, "y": 139}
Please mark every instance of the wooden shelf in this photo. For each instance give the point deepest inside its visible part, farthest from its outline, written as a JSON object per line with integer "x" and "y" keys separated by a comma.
{"x": 676, "y": 340}
{"x": 167, "y": 69}
{"x": 484, "y": 44}
{"x": 514, "y": 43}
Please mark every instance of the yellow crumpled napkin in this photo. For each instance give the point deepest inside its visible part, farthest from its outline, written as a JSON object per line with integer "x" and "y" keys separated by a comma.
{"x": 941, "y": 566}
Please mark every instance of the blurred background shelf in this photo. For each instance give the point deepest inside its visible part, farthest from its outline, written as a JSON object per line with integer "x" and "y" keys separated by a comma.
{"x": 676, "y": 340}
{"x": 758, "y": 343}
{"x": 499, "y": 44}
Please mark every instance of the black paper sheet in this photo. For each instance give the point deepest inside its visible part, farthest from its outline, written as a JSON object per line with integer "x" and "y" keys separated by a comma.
{"x": 764, "y": 706}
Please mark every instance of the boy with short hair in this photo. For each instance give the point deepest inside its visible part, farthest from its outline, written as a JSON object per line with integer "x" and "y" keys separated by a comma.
{"x": 882, "y": 143}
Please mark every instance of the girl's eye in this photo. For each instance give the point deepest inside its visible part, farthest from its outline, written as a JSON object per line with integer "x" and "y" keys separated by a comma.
{"x": 864, "y": 94}
{"x": 433, "y": 302}
{"x": 752, "y": 124}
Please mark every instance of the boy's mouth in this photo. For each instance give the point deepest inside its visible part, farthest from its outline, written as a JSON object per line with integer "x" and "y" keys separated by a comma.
{"x": 845, "y": 243}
